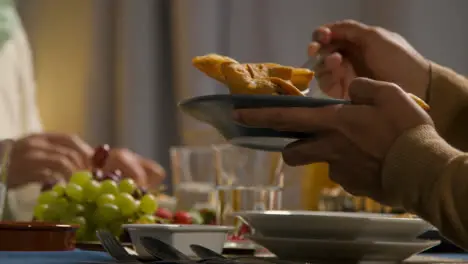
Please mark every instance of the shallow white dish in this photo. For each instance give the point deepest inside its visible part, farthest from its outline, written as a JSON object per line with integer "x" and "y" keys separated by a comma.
{"x": 179, "y": 236}
{"x": 316, "y": 249}
{"x": 333, "y": 225}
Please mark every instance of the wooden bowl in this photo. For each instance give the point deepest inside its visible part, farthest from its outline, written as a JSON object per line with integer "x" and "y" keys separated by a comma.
{"x": 37, "y": 236}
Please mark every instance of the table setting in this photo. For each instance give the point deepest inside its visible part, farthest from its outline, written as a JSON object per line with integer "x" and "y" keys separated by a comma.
{"x": 226, "y": 205}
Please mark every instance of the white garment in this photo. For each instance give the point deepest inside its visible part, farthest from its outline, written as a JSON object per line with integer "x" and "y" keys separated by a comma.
{"x": 18, "y": 111}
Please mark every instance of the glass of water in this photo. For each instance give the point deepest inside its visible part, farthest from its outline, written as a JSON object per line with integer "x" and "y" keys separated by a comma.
{"x": 226, "y": 178}
{"x": 5, "y": 148}
{"x": 248, "y": 180}
{"x": 194, "y": 173}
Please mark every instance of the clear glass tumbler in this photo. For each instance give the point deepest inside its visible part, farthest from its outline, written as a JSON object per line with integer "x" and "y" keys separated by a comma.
{"x": 248, "y": 180}
{"x": 226, "y": 178}
{"x": 194, "y": 173}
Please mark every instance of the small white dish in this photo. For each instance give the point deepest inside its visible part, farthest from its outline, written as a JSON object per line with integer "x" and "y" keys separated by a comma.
{"x": 179, "y": 236}
{"x": 295, "y": 249}
{"x": 333, "y": 225}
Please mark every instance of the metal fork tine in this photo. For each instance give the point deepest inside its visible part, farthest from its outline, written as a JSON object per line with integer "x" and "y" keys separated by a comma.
{"x": 114, "y": 248}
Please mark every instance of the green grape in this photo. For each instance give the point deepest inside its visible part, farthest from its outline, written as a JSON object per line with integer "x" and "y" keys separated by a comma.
{"x": 61, "y": 204}
{"x": 109, "y": 186}
{"x": 127, "y": 204}
{"x": 88, "y": 234}
{"x": 81, "y": 178}
{"x": 74, "y": 191}
{"x": 51, "y": 214}
{"x": 39, "y": 211}
{"x": 47, "y": 197}
{"x": 89, "y": 210}
{"x": 106, "y": 214}
{"x": 59, "y": 188}
{"x": 79, "y": 220}
{"x": 116, "y": 228}
{"x": 105, "y": 199}
{"x": 81, "y": 234}
{"x": 127, "y": 185}
{"x": 146, "y": 219}
{"x": 75, "y": 209}
{"x": 148, "y": 204}
{"x": 59, "y": 208}
{"x": 92, "y": 190}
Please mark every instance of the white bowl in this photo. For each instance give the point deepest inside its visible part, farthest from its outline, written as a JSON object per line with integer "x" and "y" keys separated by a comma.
{"x": 179, "y": 236}
{"x": 333, "y": 225}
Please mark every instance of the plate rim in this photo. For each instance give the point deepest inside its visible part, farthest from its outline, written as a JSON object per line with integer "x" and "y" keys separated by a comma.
{"x": 415, "y": 242}
{"x": 348, "y": 215}
{"x": 225, "y": 97}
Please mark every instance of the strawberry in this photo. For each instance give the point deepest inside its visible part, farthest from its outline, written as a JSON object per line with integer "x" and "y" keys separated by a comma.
{"x": 183, "y": 218}
{"x": 244, "y": 229}
{"x": 163, "y": 213}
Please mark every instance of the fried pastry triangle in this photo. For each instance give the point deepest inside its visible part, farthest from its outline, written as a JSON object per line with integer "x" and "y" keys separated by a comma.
{"x": 254, "y": 78}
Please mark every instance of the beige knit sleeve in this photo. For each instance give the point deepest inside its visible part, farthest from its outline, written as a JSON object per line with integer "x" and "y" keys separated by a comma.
{"x": 448, "y": 99}
{"x": 426, "y": 169}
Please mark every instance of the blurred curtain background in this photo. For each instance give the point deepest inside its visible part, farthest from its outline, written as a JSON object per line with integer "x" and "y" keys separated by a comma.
{"x": 113, "y": 70}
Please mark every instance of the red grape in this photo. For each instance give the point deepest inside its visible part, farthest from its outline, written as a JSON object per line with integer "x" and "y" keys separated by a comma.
{"x": 48, "y": 184}
{"x": 100, "y": 156}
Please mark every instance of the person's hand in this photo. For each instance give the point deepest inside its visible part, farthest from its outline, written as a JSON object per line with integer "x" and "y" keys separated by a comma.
{"x": 354, "y": 139}
{"x": 350, "y": 49}
{"x": 146, "y": 173}
{"x": 45, "y": 156}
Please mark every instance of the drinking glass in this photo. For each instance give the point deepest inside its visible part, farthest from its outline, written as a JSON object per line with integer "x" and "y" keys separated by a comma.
{"x": 247, "y": 180}
{"x": 227, "y": 178}
{"x": 5, "y": 148}
{"x": 193, "y": 175}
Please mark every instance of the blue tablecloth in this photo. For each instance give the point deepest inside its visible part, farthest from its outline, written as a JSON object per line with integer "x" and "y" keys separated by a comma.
{"x": 64, "y": 257}
{"x": 83, "y": 257}
{"x": 463, "y": 256}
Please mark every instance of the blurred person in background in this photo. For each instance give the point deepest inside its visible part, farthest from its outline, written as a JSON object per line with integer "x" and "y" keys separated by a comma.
{"x": 384, "y": 146}
{"x": 38, "y": 156}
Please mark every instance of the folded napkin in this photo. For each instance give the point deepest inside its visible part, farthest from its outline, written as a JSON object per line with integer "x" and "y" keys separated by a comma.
{"x": 62, "y": 257}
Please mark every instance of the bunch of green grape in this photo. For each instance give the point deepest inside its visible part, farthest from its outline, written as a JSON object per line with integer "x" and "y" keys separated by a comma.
{"x": 95, "y": 202}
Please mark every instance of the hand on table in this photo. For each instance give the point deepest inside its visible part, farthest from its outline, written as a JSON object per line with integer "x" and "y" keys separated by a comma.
{"x": 145, "y": 172}
{"x": 43, "y": 157}
{"x": 351, "y": 49}
{"x": 354, "y": 139}
{"x": 40, "y": 157}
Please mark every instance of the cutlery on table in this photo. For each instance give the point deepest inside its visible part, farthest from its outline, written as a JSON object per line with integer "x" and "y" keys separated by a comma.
{"x": 118, "y": 252}
{"x": 205, "y": 253}
{"x": 161, "y": 250}
{"x": 208, "y": 254}
{"x": 113, "y": 246}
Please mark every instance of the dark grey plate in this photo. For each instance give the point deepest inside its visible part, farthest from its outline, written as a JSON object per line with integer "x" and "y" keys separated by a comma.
{"x": 216, "y": 110}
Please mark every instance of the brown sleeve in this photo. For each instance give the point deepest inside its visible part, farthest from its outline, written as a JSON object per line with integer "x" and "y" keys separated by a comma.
{"x": 448, "y": 99}
{"x": 429, "y": 177}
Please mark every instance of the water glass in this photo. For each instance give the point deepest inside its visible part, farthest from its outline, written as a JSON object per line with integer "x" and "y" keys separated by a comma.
{"x": 249, "y": 180}
{"x": 194, "y": 173}
{"x": 227, "y": 178}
